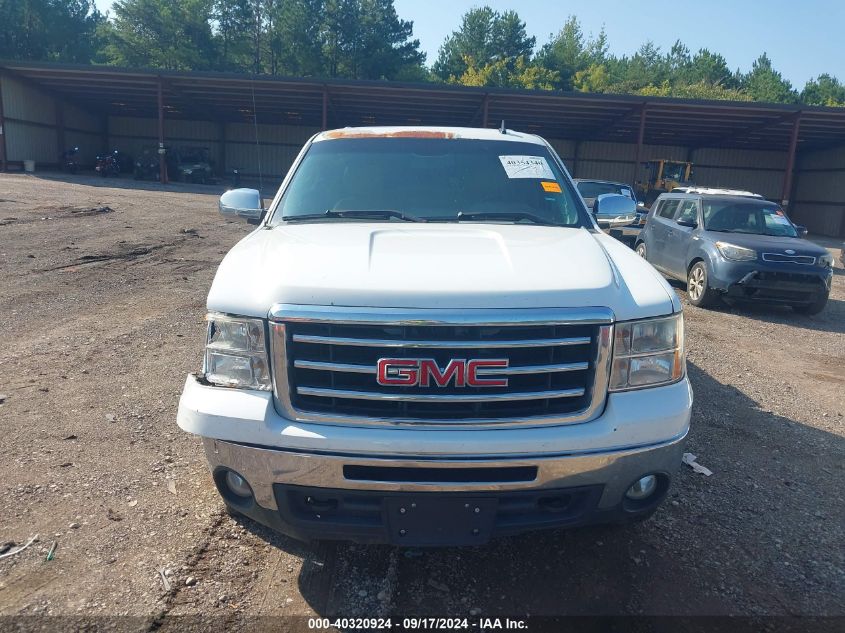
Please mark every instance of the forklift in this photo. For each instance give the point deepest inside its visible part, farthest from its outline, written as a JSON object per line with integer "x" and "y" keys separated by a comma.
{"x": 661, "y": 176}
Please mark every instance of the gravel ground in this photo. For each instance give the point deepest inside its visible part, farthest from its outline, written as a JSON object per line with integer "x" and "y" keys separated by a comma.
{"x": 102, "y": 305}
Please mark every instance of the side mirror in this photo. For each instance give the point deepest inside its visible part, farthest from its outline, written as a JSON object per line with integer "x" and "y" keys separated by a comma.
{"x": 614, "y": 204}
{"x": 690, "y": 223}
{"x": 802, "y": 230}
{"x": 242, "y": 203}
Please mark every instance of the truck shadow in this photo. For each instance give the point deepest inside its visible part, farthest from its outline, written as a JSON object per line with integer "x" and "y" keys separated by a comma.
{"x": 745, "y": 540}
{"x": 831, "y": 319}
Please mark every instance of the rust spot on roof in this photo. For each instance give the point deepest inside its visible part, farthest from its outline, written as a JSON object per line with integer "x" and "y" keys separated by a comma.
{"x": 353, "y": 133}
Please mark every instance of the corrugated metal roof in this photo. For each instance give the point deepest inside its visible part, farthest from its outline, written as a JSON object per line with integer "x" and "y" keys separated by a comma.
{"x": 302, "y": 102}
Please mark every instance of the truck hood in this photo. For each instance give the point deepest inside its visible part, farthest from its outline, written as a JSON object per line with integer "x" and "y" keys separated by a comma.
{"x": 436, "y": 266}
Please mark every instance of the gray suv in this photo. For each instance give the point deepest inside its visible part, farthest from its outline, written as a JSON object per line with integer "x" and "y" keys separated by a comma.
{"x": 735, "y": 247}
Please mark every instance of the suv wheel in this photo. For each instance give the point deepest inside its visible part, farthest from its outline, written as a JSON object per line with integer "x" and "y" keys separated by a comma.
{"x": 640, "y": 250}
{"x": 699, "y": 292}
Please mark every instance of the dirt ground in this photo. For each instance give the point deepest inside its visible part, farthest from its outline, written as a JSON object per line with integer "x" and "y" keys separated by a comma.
{"x": 102, "y": 304}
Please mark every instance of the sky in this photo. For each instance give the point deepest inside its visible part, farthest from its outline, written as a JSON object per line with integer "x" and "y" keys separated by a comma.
{"x": 802, "y": 38}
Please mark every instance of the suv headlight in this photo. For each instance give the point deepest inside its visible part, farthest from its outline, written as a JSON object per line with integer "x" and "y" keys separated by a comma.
{"x": 236, "y": 353}
{"x": 826, "y": 260}
{"x": 648, "y": 353}
{"x": 736, "y": 253}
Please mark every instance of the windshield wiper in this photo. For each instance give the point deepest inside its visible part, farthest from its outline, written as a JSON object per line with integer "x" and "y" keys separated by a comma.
{"x": 514, "y": 216}
{"x": 354, "y": 213}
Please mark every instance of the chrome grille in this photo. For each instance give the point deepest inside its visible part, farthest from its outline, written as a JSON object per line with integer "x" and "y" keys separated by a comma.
{"x": 792, "y": 259}
{"x": 325, "y": 364}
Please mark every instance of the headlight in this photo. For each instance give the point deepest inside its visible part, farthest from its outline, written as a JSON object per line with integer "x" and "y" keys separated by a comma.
{"x": 236, "y": 353}
{"x": 736, "y": 253}
{"x": 648, "y": 353}
{"x": 826, "y": 261}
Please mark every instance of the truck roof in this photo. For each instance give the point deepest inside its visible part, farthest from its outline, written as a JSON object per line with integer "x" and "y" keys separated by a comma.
{"x": 716, "y": 191}
{"x": 739, "y": 199}
{"x": 419, "y": 131}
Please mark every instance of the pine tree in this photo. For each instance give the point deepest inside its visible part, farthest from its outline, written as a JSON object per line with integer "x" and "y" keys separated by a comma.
{"x": 171, "y": 34}
{"x": 569, "y": 53}
{"x": 764, "y": 83}
{"x": 825, "y": 91}
{"x": 485, "y": 37}
{"x": 54, "y": 30}
{"x": 232, "y": 19}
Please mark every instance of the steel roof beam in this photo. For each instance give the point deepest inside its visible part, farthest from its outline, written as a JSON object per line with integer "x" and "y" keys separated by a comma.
{"x": 792, "y": 116}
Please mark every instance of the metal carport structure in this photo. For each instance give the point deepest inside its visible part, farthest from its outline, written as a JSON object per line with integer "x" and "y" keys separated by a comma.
{"x": 112, "y": 96}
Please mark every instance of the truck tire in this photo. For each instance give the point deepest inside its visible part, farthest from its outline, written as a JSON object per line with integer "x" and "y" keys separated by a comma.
{"x": 698, "y": 289}
{"x": 812, "y": 308}
{"x": 640, "y": 250}
{"x": 231, "y": 511}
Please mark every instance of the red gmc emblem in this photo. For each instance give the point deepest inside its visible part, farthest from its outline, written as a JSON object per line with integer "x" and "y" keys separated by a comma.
{"x": 425, "y": 372}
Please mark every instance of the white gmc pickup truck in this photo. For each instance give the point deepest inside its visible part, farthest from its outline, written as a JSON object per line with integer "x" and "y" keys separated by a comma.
{"x": 428, "y": 341}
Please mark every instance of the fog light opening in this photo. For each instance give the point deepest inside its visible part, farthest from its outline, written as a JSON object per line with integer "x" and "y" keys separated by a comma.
{"x": 237, "y": 485}
{"x": 643, "y": 488}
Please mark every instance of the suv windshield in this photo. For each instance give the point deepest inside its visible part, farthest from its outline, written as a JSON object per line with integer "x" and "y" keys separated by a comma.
{"x": 757, "y": 218}
{"x": 193, "y": 155}
{"x": 446, "y": 180}
{"x": 592, "y": 189}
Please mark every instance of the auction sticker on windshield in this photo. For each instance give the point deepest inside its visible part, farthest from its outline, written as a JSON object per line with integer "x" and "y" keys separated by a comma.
{"x": 527, "y": 167}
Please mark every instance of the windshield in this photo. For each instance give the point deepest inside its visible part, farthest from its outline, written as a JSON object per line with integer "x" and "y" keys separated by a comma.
{"x": 592, "y": 189}
{"x": 674, "y": 171}
{"x": 193, "y": 155}
{"x": 433, "y": 180}
{"x": 756, "y": 218}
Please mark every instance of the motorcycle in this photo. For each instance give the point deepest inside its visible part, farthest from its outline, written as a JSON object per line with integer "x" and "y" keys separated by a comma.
{"x": 114, "y": 164}
{"x": 108, "y": 165}
{"x": 69, "y": 160}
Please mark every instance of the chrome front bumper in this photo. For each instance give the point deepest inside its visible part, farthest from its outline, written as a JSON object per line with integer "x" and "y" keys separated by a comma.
{"x": 614, "y": 470}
